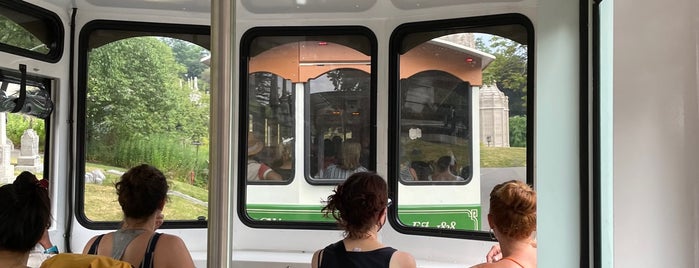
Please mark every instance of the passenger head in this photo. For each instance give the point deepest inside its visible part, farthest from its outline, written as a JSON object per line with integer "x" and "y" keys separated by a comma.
{"x": 422, "y": 170}
{"x": 513, "y": 209}
{"x": 359, "y": 203}
{"x": 25, "y": 213}
{"x": 350, "y": 155}
{"x": 286, "y": 151}
{"x": 444, "y": 163}
{"x": 142, "y": 190}
{"x": 254, "y": 145}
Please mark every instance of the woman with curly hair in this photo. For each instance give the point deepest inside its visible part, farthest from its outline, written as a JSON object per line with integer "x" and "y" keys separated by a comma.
{"x": 359, "y": 206}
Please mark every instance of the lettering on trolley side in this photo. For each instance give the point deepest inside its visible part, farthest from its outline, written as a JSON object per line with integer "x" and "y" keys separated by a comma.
{"x": 440, "y": 225}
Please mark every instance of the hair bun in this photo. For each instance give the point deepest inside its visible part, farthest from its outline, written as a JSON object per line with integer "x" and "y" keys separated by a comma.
{"x": 26, "y": 183}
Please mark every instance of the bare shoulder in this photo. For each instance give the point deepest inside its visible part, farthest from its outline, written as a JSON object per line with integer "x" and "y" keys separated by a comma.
{"x": 171, "y": 240}
{"x": 106, "y": 240}
{"x": 176, "y": 251}
{"x": 402, "y": 259}
{"x": 315, "y": 260}
{"x": 491, "y": 265}
{"x": 89, "y": 244}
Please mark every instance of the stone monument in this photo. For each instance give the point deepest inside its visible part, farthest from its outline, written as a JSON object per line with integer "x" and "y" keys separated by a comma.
{"x": 29, "y": 159}
{"x": 494, "y": 117}
{"x": 7, "y": 170}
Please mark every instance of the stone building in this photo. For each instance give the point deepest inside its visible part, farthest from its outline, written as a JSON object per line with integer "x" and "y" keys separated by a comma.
{"x": 494, "y": 117}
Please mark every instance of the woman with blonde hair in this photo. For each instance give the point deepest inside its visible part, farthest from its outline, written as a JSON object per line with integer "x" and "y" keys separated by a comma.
{"x": 512, "y": 219}
{"x": 351, "y": 151}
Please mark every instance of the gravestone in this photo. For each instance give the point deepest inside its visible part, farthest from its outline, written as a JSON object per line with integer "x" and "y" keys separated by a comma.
{"x": 29, "y": 158}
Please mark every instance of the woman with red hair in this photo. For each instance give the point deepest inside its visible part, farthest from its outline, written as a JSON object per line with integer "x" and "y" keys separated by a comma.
{"x": 512, "y": 219}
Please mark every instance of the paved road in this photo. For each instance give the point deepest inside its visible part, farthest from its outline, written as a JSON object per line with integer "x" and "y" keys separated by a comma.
{"x": 494, "y": 176}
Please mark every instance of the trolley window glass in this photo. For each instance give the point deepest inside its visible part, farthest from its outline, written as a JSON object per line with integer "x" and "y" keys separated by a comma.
{"x": 26, "y": 133}
{"x": 144, "y": 98}
{"x": 460, "y": 104}
{"x": 30, "y": 31}
{"x": 310, "y": 102}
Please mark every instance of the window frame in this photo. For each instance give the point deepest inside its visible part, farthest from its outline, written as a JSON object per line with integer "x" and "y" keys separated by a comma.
{"x": 47, "y": 85}
{"x": 295, "y": 31}
{"x": 462, "y": 25}
{"x": 54, "y": 28}
{"x": 83, "y": 46}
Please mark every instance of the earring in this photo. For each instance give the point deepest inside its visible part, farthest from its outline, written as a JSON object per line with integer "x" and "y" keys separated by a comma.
{"x": 492, "y": 235}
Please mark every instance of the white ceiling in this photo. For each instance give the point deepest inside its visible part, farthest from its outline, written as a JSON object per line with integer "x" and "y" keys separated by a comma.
{"x": 181, "y": 5}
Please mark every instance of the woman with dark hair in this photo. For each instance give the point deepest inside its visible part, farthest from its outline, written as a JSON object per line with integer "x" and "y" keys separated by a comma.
{"x": 142, "y": 194}
{"x": 25, "y": 214}
{"x": 443, "y": 169}
{"x": 512, "y": 219}
{"x": 359, "y": 206}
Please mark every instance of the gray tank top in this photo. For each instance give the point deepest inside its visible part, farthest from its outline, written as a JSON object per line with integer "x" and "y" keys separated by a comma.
{"x": 122, "y": 238}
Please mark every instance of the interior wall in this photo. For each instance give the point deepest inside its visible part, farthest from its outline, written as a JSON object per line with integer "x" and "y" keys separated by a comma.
{"x": 655, "y": 130}
{"x": 557, "y": 134}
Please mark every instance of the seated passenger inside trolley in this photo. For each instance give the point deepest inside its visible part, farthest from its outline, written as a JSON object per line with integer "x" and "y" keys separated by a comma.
{"x": 257, "y": 170}
{"x": 443, "y": 169}
{"x": 284, "y": 164}
{"x": 349, "y": 162}
{"x": 420, "y": 170}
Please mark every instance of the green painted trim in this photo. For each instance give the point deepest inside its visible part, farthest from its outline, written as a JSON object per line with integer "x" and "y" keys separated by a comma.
{"x": 462, "y": 217}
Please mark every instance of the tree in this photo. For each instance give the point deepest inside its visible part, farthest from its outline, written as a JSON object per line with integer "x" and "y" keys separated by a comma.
{"x": 189, "y": 55}
{"x": 133, "y": 89}
{"x": 508, "y": 71}
{"x": 347, "y": 79}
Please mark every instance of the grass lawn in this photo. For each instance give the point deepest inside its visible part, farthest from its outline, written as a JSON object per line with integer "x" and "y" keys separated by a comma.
{"x": 101, "y": 200}
{"x": 490, "y": 156}
{"x": 503, "y": 157}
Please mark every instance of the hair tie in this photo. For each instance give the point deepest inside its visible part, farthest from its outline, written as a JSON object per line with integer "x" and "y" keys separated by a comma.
{"x": 43, "y": 183}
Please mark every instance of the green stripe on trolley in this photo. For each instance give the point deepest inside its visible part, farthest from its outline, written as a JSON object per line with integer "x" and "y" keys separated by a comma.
{"x": 462, "y": 217}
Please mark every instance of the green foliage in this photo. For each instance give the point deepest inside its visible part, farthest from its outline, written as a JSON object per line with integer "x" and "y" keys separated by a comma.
{"x": 518, "y": 131}
{"x": 133, "y": 89}
{"x": 347, "y": 79}
{"x": 189, "y": 55}
{"x": 508, "y": 71}
{"x": 177, "y": 158}
{"x": 18, "y": 123}
{"x": 139, "y": 110}
{"x": 15, "y": 35}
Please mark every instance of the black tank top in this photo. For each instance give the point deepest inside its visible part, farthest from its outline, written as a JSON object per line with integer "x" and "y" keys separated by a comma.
{"x": 335, "y": 256}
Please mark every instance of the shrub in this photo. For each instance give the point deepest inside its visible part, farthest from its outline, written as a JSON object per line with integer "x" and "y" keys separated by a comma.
{"x": 18, "y": 123}
{"x": 518, "y": 131}
{"x": 177, "y": 158}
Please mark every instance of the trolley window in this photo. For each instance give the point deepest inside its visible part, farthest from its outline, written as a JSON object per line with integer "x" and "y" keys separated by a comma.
{"x": 461, "y": 100}
{"x": 144, "y": 97}
{"x": 25, "y": 132}
{"x": 30, "y": 31}
{"x": 310, "y": 102}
